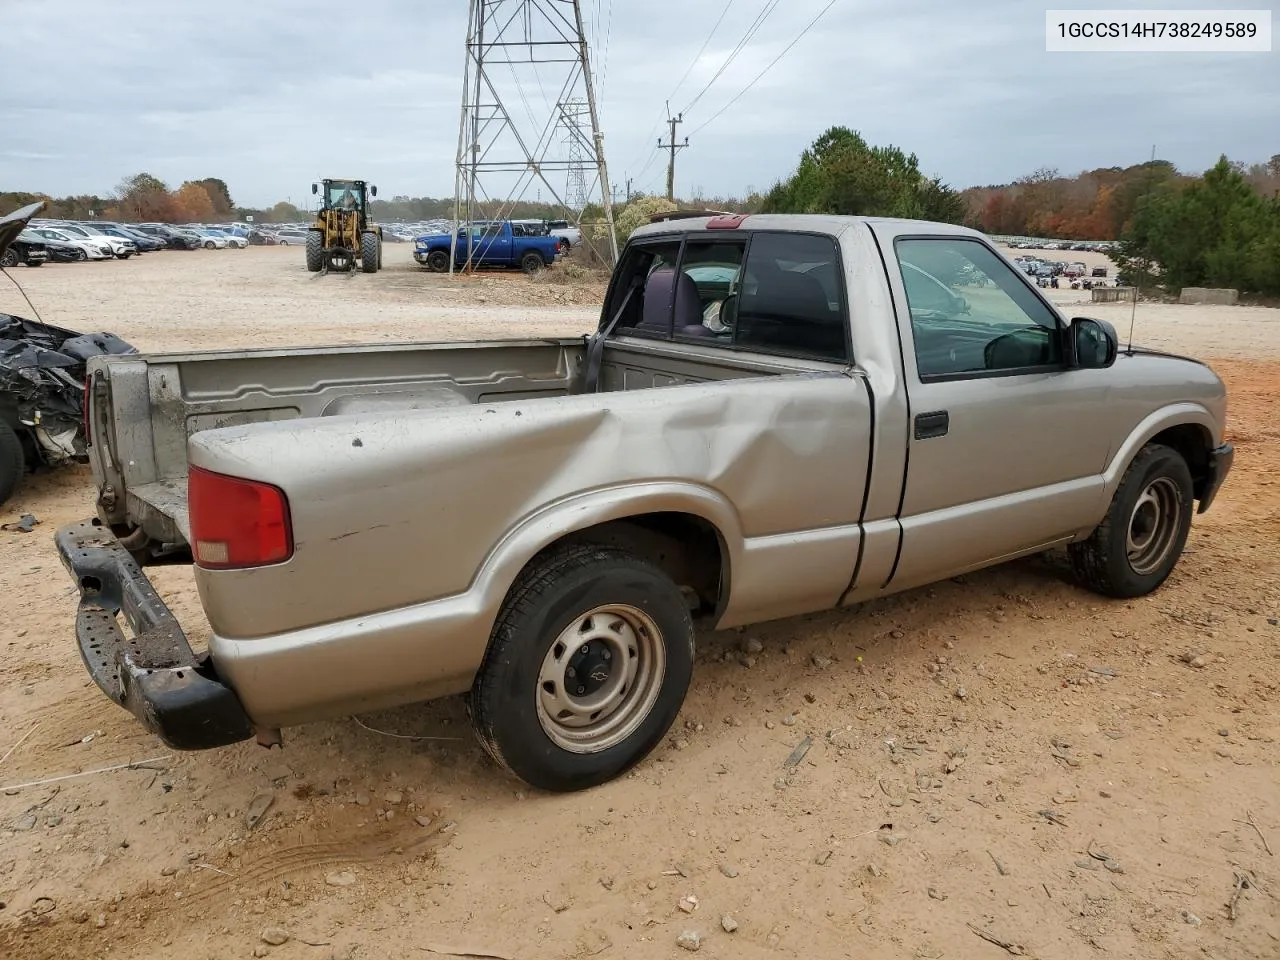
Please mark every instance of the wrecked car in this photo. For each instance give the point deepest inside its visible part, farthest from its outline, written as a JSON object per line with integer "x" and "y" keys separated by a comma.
{"x": 42, "y": 371}
{"x": 776, "y": 415}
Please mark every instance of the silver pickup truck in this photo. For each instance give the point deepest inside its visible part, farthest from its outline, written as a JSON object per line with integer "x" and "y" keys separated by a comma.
{"x": 777, "y": 415}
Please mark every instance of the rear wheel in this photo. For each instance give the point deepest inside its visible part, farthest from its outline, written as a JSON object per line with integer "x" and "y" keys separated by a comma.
{"x": 1138, "y": 543}
{"x": 565, "y": 246}
{"x": 587, "y": 667}
{"x": 12, "y": 462}
{"x": 315, "y": 250}
{"x": 10, "y": 259}
{"x": 370, "y": 252}
{"x": 438, "y": 261}
{"x": 532, "y": 263}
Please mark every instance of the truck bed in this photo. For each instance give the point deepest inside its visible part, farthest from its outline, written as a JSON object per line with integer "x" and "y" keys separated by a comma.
{"x": 146, "y": 407}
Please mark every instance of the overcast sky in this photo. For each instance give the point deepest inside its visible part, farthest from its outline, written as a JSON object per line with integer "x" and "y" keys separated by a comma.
{"x": 271, "y": 94}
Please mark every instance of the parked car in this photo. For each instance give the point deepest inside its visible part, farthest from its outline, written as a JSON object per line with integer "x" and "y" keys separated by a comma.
{"x": 1098, "y": 272}
{"x": 141, "y": 241}
{"x": 175, "y": 239}
{"x": 492, "y": 244}
{"x": 296, "y": 238}
{"x": 61, "y": 251}
{"x": 122, "y": 249}
{"x": 1074, "y": 270}
{"x": 233, "y": 240}
{"x": 818, "y": 419}
{"x": 86, "y": 248}
{"x": 25, "y": 248}
{"x": 259, "y": 238}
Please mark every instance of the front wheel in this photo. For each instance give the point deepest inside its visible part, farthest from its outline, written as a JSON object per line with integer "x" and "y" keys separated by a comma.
{"x": 209, "y": 245}
{"x": 81, "y": 255}
{"x": 369, "y": 252}
{"x": 438, "y": 261}
{"x": 587, "y": 667}
{"x": 315, "y": 250}
{"x": 1135, "y": 548}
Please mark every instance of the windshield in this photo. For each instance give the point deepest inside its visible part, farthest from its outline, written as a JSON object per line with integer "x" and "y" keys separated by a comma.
{"x": 344, "y": 196}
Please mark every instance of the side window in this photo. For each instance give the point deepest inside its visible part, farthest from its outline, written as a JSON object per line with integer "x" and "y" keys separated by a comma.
{"x": 790, "y": 299}
{"x": 644, "y": 290}
{"x": 970, "y": 312}
{"x": 707, "y": 289}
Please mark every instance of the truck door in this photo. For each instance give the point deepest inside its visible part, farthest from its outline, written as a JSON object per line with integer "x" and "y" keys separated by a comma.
{"x": 1005, "y": 454}
{"x": 491, "y": 243}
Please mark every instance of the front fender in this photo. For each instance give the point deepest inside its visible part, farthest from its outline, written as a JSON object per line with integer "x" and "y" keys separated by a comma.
{"x": 1155, "y": 423}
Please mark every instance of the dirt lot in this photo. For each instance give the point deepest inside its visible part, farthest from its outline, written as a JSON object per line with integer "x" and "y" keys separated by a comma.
{"x": 1071, "y": 776}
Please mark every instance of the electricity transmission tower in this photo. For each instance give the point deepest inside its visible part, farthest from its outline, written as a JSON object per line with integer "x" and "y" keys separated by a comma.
{"x": 519, "y": 51}
{"x": 575, "y": 117}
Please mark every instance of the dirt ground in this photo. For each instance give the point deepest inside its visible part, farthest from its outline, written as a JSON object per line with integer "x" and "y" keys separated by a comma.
{"x": 1003, "y": 757}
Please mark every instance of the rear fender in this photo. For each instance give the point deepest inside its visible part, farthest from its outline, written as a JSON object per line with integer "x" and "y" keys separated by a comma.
{"x": 560, "y": 520}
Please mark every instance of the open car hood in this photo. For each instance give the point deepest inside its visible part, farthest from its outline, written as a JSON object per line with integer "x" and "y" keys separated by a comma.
{"x": 14, "y": 223}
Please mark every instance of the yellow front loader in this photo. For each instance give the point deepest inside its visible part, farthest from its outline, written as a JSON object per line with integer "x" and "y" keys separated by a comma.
{"x": 343, "y": 233}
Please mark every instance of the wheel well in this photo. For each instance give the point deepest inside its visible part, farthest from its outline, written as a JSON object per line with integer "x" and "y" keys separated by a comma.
{"x": 687, "y": 548}
{"x": 1193, "y": 443}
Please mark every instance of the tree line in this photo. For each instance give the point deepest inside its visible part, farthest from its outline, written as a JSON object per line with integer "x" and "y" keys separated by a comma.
{"x": 1093, "y": 205}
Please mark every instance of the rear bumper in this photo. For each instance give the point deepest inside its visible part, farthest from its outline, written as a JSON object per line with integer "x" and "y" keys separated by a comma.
{"x": 1220, "y": 460}
{"x": 155, "y": 674}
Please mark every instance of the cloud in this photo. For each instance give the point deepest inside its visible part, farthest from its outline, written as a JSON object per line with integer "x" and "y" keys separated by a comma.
{"x": 271, "y": 95}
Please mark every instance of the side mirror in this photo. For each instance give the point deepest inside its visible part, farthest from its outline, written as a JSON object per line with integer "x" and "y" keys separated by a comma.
{"x": 373, "y": 191}
{"x": 1093, "y": 343}
{"x": 315, "y": 188}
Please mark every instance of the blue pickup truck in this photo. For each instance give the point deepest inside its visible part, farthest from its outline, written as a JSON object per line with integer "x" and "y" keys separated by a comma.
{"x": 489, "y": 244}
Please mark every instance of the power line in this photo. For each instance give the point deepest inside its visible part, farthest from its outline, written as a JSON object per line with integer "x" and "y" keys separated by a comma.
{"x": 658, "y": 123}
{"x": 703, "y": 49}
{"x": 752, "y": 30}
{"x": 738, "y": 96}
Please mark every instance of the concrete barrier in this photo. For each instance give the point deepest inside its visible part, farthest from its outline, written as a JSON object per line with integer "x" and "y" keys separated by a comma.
{"x": 1112, "y": 294}
{"x": 1215, "y": 295}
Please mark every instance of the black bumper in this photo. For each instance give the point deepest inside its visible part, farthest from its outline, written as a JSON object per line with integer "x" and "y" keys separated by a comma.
{"x": 1220, "y": 459}
{"x": 155, "y": 675}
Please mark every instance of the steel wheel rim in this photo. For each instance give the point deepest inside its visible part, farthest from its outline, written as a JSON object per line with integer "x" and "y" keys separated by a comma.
{"x": 1153, "y": 526}
{"x": 600, "y": 678}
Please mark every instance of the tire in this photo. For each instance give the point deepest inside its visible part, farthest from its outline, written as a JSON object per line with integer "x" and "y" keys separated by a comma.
{"x": 622, "y": 605}
{"x": 209, "y": 244}
{"x": 532, "y": 263}
{"x": 12, "y": 462}
{"x": 81, "y": 256}
{"x": 438, "y": 261}
{"x": 315, "y": 251}
{"x": 10, "y": 259}
{"x": 565, "y": 247}
{"x": 1138, "y": 543}
{"x": 370, "y": 252}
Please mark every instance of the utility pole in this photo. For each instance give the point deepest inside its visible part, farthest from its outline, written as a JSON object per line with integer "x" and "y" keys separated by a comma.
{"x": 672, "y": 146}
{"x": 628, "y": 190}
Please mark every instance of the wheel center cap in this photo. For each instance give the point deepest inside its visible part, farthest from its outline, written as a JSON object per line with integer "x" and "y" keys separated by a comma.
{"x": 589, "y": 669}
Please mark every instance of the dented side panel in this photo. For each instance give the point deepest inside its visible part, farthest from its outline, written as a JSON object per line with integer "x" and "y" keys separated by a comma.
{"x": 414, "y": 525}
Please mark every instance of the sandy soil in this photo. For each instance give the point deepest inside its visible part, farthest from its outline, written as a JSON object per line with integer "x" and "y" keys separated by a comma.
{"x": 1059, "y": 772}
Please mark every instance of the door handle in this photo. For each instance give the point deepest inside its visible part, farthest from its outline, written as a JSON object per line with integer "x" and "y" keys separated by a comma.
{"x": 936, "y": 423}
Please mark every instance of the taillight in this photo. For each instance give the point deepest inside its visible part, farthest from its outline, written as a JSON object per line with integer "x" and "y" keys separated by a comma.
{"x": 237, "y": 523}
